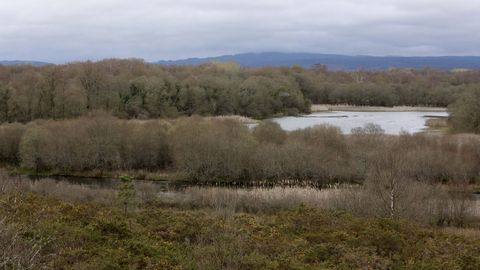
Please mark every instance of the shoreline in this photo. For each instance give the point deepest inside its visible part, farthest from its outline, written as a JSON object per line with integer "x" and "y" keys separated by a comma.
{"x": 177, "y": 180}
{"x": 171, "y": 178}
{"x": 141, "y": 175}
{"x": 353, "y": 108}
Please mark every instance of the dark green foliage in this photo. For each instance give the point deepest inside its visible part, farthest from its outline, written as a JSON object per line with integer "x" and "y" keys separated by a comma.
{"x": 135, "y": 90}
{"x": 126, "y": 192}
{"x": 5, "y": 110}
{"x": 10, "y": 136}
{"x": 465, "y": 112}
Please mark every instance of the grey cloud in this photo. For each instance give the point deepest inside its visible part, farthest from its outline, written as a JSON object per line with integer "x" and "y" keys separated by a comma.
{"x": 69, "y": 30}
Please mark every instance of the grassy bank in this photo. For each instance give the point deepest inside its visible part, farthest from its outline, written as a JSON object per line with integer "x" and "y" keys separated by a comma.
{"x": 437, "y": 125}
{"x": 154, "y": 236}
{"x": 353, "y": 108}
{"x": 237, "y": 118}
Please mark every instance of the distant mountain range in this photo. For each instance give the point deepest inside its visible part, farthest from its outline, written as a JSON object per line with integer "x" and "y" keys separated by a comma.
{"x": 19, "y": 63}
{"x": 337, "y": 62}
{"x": 307, "y": 60}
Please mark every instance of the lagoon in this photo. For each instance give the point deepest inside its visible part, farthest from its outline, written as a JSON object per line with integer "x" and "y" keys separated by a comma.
{"x": 392, "y": 122}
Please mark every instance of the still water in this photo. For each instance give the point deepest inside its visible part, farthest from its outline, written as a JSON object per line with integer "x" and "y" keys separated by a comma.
{"x": 391, "y": 122}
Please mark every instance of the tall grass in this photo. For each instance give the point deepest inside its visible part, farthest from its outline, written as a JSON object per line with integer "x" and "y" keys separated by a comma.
{"x": 423, "y": 204}
{"x": 16, "y": 252}
{"x": 254, "y": 199}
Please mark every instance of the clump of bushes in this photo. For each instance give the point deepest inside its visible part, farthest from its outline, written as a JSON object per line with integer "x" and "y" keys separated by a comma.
{"x": 212, "y": 150}
{"x": 464, "y": 113}
{"x": 100, "y": 143}
{"x": 10, "y": 136}
{"x": 228, "y": 151}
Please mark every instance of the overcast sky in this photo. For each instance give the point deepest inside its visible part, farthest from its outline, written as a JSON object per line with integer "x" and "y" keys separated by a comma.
{"x": 69, "y": 30}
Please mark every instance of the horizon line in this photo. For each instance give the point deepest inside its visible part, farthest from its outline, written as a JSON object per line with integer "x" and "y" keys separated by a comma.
{"x": 235, "y": 54}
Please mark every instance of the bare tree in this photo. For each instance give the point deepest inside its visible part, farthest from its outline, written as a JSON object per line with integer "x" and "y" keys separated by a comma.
{"x": 388, "y": 182}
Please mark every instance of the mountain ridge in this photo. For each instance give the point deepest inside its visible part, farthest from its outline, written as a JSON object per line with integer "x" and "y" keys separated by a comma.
{"x": 336, "y": 61}
{"x": 308, "y": 60}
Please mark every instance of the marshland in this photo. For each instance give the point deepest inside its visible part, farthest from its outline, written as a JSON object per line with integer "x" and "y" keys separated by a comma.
{"x": 123, "y": 164}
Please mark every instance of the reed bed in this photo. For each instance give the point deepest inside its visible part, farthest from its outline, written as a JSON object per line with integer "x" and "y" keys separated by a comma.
{"x": 255, "y": 199}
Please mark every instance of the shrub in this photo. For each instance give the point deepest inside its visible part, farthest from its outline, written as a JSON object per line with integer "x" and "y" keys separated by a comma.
{"x": 269, "y": 132}
{"x": 144, "y": 146}
{"x": 464, "y": 113}
{"x": 319, "y": 154}
{"x": 32, "y": 150}
{"x": 212, "y": 150}
{"x": 10, "y": 136}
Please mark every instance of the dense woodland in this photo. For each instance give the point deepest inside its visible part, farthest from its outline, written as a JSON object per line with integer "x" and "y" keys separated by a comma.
{"x": 133, "y": 89}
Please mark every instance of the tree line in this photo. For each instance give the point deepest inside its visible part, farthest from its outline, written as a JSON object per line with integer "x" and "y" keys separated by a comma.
{"x": 133, "y": 89}
{"x": 228, "y": 151}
